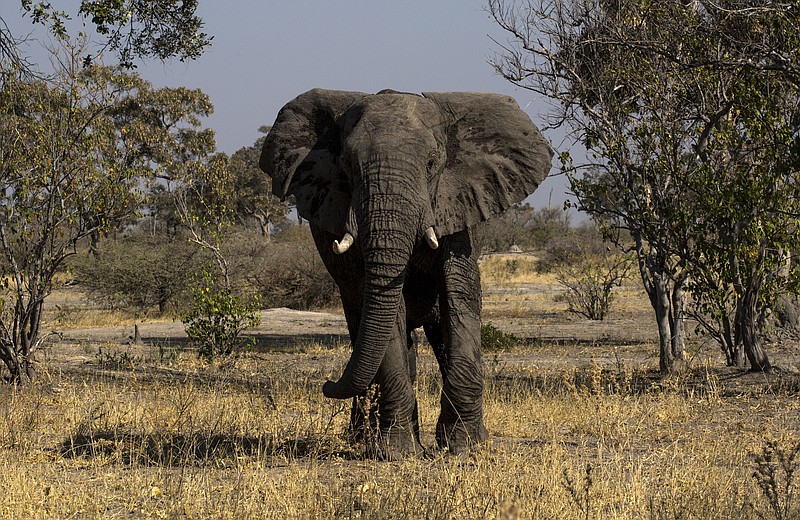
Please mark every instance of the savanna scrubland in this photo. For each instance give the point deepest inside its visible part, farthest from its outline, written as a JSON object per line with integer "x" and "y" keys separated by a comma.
{"x": 688, "y": 115}
{"x": 582, "y": 424}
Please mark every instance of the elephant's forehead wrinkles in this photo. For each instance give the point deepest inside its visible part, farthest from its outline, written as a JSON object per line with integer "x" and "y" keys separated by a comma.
{"x": 390, "y": 163}
{"x": 399, "y": 106}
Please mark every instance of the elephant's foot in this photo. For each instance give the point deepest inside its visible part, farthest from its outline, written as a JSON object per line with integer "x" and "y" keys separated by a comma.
{"x": 458, "y": 437}
{"x": 395, "y": 443}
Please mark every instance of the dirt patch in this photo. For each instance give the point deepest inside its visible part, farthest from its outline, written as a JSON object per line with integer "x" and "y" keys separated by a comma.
{"x": 622, "y": 343}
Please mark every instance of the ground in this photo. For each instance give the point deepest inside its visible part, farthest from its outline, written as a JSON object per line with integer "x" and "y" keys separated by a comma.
{"x": 526, "y": 306}
{"x": 581, "y": 424}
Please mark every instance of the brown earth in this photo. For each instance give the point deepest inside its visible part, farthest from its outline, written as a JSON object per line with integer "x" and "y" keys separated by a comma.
{"x": 112, "y": 430}
{"x": 549, "y": 337}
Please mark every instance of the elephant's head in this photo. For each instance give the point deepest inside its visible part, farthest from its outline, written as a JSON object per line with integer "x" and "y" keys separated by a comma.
{"x": 394, "y": 170}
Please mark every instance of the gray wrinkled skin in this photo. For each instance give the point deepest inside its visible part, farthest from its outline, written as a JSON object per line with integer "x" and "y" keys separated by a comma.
{"x": 385, "y": 168}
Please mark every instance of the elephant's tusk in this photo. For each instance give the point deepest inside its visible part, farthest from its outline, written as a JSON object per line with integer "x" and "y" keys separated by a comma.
{"x": 344, "y": 245}
{"x": 430, "y": 238}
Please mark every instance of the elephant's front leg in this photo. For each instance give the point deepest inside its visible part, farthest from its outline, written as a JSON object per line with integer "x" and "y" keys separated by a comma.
{"x": 398, "y": 435}
{"x": 460, "y": 423}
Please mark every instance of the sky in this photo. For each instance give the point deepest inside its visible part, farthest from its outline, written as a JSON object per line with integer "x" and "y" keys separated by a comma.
{"x": 265, "y": 53}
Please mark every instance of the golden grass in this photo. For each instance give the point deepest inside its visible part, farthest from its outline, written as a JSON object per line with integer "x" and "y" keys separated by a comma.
{"x": 255, "y": 439}
{"x": 512, "y": 288}
{"x": 176, "y": 438}
{"x": 79, "y": 318}
{"x": 510, "y": 269}
{"x": 68, "y": 308}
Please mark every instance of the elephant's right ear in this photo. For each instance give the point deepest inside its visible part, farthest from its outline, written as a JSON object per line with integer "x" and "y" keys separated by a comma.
{"x": 301, "y": 154}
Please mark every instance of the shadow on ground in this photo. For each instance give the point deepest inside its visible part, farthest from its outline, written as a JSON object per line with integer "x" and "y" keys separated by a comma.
{"x": 198, "y": 448}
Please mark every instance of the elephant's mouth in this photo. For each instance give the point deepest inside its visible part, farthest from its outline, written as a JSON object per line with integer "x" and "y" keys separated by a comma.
{"x": 416, "y": 211}
{"x": 341, "y": 246}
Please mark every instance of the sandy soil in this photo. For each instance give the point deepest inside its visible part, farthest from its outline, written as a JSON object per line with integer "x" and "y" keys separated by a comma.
{"x": 549, "y": 340}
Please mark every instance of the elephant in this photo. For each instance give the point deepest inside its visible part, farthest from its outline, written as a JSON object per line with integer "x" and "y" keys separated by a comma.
{"x": 392, "y": 185}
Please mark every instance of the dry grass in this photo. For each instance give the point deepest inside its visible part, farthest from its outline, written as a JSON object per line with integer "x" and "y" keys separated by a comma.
{"x": 68, "y": 308}
{"x": 254, "y": 439}
{"x": 577, "y": 430}
{"x": 511, "y": 285}
{"x": 512, "y": 288}
{"x": 510, "y": 269}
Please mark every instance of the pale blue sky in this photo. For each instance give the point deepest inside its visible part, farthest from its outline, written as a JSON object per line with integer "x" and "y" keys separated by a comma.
{"x": 265, "y": 53}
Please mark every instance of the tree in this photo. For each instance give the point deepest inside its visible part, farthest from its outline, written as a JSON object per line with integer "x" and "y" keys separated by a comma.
{"x": 558, "y": 52}
{"x": 77, "y": 153}
{"x": 523, "y": 226}
{"x": 132, "y": 29}
{"x": 164, "y": 127}
{"x": 218, "y": 316}
{"x": 684, "y": 108}
{"x": 253, "y": 188}
{"x": 161, "y": 217}
{"x": 66, "y": 172}
{"x": 140, "y": 272}
{"x": 71, "y": 164}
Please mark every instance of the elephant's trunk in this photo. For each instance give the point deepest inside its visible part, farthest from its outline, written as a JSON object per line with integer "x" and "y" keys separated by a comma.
{"x": 386, "y": 258}
{"x": 391, "y": 225}
{"x": 382, "y": 295}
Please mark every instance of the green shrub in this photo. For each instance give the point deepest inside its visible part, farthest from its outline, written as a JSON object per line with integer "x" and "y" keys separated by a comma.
{"x": 495, "y": 340}
{"x": 217, "y": 319}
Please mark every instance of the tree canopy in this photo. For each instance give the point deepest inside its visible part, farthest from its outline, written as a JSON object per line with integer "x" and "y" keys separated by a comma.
{"x": 78, "y": 151}
{"x": 132, "y": 29}
{"x": 687, "y": 111}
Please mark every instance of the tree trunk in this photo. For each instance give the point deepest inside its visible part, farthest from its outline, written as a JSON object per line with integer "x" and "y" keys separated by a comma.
{"x": 137, "y": 337}
{"x": 662, "y": 306}
{"x": 667, "y": 305}
{"x": 747, "y": 331}
{"x": 263, "y": 225}
{"x": 29, "y": 337}
{"x": 19, "y": 343}
{"x": 94, "y": 240}
{"x": 677, "y": 322}
{"x": 729, "y": 346}
{"x": 669, "y": 310}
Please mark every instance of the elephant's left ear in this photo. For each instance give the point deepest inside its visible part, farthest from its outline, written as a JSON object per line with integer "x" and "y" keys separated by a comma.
{"x": 301, "y": 153}
{"x": 495, "y": 158}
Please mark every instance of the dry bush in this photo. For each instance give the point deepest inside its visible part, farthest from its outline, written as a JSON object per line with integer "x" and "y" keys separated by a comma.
{"x": 286, "y": 272}
{"x": 140, "y": 273}
{"x": 523, "y": 226}
{"x": 292, "y": 275}
{"x": 590, "y": 283}
{"x": 568, "y": 248}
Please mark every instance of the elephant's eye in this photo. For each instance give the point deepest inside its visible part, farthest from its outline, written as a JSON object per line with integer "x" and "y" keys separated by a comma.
{"x": 433, "y": 160}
